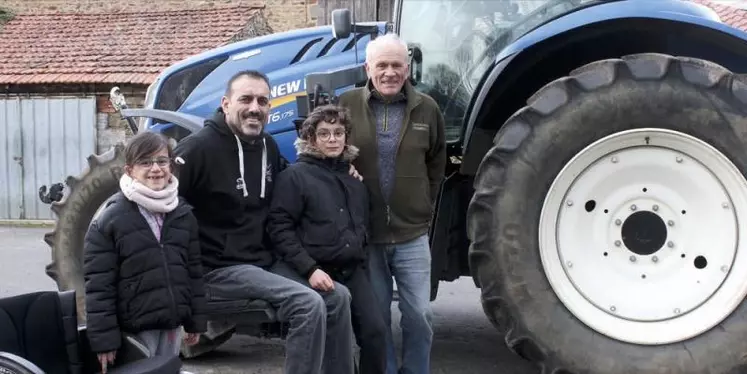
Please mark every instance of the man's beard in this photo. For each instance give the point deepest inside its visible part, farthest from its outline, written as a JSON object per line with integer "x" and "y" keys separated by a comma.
{"x": 245, "y": 130}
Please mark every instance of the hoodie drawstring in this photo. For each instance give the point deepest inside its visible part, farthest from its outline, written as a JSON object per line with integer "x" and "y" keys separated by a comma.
{"x": 264, "y": 167}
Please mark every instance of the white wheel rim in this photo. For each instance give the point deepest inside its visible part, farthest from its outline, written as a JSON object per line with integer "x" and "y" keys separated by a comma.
{"x": 676, "y": 300}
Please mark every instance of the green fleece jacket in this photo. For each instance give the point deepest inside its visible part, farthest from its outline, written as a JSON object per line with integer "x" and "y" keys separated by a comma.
{"x": 420, "y": 163}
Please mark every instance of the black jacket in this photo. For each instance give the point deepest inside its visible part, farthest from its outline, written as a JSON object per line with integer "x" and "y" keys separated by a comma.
{"x": 232, "y": 227}
{"x": 318, "y": 218}
{"x": 133, "y": 282}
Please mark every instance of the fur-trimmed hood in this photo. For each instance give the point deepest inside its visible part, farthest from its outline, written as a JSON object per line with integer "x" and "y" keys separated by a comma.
{"x": 303, "y": 147}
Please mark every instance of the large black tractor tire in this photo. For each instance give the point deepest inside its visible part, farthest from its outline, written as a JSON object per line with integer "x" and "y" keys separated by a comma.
{"x": 86, "y": 194}
{"x": 687, "y": 95}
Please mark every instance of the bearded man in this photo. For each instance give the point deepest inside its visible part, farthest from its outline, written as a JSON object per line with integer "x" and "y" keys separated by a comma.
{"x": 228, "y": 177}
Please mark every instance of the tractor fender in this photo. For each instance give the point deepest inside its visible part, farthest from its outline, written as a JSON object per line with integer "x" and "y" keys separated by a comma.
{"x": 540, "y": 42}
{"x": 186, "y": 121}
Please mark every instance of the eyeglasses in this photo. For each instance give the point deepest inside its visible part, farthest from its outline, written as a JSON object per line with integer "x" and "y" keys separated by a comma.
{"x": 325, "y": 135}
{"x": 148, "y": 162}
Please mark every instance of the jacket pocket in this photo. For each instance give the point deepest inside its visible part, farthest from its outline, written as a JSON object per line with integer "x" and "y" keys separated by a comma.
{"x": 412, "y": 200}
{"x": 421, "y": 135}
{"x": 320, "y": 234}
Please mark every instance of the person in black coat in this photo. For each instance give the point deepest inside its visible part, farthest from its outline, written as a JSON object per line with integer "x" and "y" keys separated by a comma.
{"x": 142, "y": 262}
{"x": 317, "y": 223}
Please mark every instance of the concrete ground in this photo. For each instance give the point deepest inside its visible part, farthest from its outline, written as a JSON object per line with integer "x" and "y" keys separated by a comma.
{"x": 464, "y": 340}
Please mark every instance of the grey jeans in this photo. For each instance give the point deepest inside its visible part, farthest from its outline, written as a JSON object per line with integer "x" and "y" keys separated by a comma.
{"x": 319, "y": 339}
{"x": 162, "y": 342}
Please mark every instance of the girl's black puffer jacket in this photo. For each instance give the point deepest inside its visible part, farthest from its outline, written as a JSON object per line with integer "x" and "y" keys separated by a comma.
{"x": 134, "y": 282}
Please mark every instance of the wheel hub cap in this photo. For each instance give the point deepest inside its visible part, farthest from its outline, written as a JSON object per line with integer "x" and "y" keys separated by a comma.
{"x": 639, "y": 236}
{"x": 644, "y": 233}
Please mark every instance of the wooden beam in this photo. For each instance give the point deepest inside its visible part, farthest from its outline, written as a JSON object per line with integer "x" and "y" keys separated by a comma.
{"x": 365, "y": 10}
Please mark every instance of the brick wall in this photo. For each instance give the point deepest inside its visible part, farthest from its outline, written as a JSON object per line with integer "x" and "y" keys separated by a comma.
{"x": 110, "y": 127}
{"x": 283, "y": 15}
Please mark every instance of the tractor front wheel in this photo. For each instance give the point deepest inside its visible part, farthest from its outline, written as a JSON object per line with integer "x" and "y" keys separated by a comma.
{"x": 605, "y": 224}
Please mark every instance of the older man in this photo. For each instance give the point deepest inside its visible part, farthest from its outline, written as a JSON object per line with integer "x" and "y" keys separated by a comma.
{"x": 400, "y": 134}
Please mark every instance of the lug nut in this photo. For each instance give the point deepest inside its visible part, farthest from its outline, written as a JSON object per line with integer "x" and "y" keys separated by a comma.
{"x": 612, "y": 308}
{"x": 632, "y": 258}
{"x": 677, "y": 311}
{"x": 725, "y": 205}
{"x": 655, "y": 259}
{"x": 633, "y": 207}
{"x": 656, "y": 208}
{"x": 618, "y": 222}
{"x": 570, "y": 264}
{"x": 670, "y": 223}
{"x": 614, "y": 160}
{"x": 670, "y": 244}
{"x": 724, "y": 268}
{"x": 569, "y": 202}
{"x": 679, "y": 159}
{"x": 617, "y": 243}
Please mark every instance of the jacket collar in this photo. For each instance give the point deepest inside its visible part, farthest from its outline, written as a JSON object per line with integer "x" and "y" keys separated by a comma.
{"x": 308, "y": 152}
{"x": 119, "y": 200}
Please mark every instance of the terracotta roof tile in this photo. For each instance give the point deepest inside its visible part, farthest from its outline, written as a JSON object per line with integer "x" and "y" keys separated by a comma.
{"x": 730, "y": 12}
{"x": 110, "y": 47}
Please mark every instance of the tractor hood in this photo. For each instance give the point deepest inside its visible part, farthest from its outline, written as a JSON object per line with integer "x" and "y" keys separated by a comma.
{"x": 195, "y": 85}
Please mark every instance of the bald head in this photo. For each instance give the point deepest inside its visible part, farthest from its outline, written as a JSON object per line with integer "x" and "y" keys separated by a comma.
{"x": 386, "y": 64}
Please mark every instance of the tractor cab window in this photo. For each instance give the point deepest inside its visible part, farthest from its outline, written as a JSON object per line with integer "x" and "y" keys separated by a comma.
{"x": 456, "y": 42}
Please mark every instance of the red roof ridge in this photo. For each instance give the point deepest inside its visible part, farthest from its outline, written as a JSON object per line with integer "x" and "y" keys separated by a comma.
{"x": 112, "y": 47}
{"x": 730, "y": 13}
{"x": 217, "y": 8}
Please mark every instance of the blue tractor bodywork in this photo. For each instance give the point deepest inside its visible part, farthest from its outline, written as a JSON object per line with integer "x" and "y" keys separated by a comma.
{"x": 524, "y": 58}
{"x": 519, "y": 62}
{"x": 600, "y": 30}
{"x": 195, "y": 85}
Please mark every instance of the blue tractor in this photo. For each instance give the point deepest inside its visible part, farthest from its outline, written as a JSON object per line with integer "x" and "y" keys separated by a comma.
{"x": 596, "y": 161}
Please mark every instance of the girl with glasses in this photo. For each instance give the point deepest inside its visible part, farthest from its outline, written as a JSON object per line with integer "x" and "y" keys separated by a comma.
{"x": 142, "y": 259}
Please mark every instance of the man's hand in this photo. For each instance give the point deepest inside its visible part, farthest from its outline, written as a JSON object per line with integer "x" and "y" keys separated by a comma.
{"x": 321, "y": 281}
{"x": 354, "y": 173}
{"x": 191, "y": 338}
{"x": 105, "y": 359}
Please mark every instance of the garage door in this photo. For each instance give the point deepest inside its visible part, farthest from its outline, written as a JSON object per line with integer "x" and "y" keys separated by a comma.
{"x": 42, "y": 141}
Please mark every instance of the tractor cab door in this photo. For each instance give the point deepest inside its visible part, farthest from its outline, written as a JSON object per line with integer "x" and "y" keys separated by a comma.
{"x": 448, "y": 64}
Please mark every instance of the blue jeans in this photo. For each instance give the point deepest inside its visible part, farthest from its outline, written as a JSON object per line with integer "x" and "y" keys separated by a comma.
{"x": 320, "y": 336}
{"x": 410, "y": 264}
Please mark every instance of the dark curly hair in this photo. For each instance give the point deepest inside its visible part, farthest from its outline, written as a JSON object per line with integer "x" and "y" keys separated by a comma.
{"x": 332, "y": 114}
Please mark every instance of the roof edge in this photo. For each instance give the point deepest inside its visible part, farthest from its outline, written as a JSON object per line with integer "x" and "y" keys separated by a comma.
{"x": 256, "y": 5}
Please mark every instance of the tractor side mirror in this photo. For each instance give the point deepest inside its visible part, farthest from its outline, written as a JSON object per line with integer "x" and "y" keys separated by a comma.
{"x": 341, "y": 23}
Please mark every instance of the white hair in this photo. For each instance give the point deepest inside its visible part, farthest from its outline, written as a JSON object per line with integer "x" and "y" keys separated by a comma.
{"x": 381, "y": 41}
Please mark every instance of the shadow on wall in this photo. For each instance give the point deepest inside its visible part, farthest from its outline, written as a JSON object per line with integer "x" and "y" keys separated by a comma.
{"x": 5, "y": 16}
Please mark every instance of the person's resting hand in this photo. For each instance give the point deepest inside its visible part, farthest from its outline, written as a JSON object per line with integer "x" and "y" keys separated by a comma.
{"x": 105, "y": 359}
{"x": 321, "y": 281}
{"x": 354, "y": 173}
